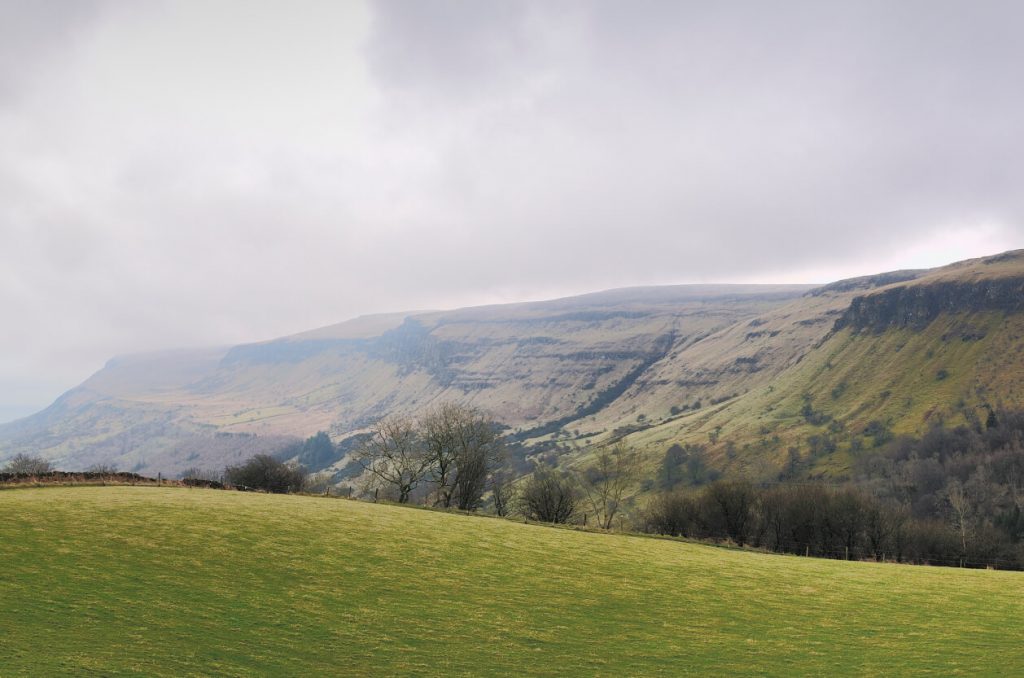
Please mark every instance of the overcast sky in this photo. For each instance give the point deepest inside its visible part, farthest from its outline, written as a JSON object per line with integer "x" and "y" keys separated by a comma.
{"x": 189, "y": 173}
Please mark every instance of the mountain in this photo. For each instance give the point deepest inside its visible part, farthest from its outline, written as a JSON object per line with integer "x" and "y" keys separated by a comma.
{"x": 531, "y": 365}
{"x": 760, "y": 376}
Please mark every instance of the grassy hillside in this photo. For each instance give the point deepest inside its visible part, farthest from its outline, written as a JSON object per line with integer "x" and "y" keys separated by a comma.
{"x": 121, "y": 580}
{"x": 907, "y": 378}
{"x": 941, "y": 347}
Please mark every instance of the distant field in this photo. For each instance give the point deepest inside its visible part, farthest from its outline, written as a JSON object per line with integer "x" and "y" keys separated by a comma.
{"x": 172, "y": 581}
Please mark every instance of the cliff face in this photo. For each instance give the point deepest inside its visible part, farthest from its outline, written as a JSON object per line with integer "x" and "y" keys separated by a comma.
{"x": 916, "y": 306}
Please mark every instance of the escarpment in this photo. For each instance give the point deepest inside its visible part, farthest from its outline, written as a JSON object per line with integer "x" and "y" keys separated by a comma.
{"x": 916, "y": 306}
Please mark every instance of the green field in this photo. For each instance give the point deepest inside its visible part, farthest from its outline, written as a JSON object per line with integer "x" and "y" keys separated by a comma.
{"x": 171, "y": 581}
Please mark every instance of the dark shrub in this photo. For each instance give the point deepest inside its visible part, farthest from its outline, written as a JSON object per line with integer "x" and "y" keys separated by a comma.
{"x": 549, "y": 497}
{"x": 263, "y": 472}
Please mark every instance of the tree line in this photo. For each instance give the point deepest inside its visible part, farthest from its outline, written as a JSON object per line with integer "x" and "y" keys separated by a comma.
{"x": 956, "y": 493}
{"x": 823, "y": 521}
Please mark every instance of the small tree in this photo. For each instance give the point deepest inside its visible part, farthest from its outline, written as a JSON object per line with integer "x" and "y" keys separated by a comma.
{"x": 439, "y": 430}
{"x": 463, "y": 448}
{"x": 671, "y": 513}
{"x": 670, "y": 474}
{"x": 23, "y": 463}
{"x": 847, "y": 518}
{"x": 471, "y": 477}
{"x": 549, "y": 497}
{"x": 730, "y": 508}
{"x": 882, "y": 522}
{"x": 393, "y": 454}
{"x": 502, "y": 493}
{"x": 961, "y": 510}
{"x": 605, "y": 483}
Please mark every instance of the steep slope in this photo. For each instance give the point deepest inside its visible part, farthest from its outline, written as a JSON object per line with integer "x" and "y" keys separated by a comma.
{"x": 530, "y": 365}
{"x": 940, "y": 346}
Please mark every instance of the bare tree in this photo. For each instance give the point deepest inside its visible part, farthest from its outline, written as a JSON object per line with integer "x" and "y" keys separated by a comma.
{"x": 846, "y": 519}
{"x": 605, "y": 483}
{"x": 395, "y": 455}
{"x": 439, "y": 436}
{"x": 671, "y": 513}
{"x": 463, "y": 447}
{"x": 882, "y": 523}
{"x": 23, "y": 463}
{"x": 960, "y": 512}
{"x": 549, "y": 497}
{"x": 731, "y": 507}
{"x": 503, "y": 492}
{"x": 471, "y": 477}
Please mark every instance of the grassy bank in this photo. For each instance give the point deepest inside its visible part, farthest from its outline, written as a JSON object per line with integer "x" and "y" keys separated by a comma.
{"x": 175, "y": 581}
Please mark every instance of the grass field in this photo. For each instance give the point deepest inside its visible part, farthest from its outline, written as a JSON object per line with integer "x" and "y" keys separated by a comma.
{"x": 171, "y": 581}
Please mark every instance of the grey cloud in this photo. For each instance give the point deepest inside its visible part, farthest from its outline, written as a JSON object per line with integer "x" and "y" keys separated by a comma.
{"x": 757, "y": 131}
{"x": 451, "y": 48}
{"x": 33, "y": 33}
{"x": 186, "y": 173}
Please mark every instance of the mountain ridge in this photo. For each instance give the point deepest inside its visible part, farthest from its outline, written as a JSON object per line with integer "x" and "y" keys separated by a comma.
{"x": 655, "y": 365}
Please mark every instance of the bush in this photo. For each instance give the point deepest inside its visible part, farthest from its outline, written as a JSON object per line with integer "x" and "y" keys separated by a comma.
{"x": 25, "y": 464}
{"x": 549, "y": 497}
{"x": 673, "y": 513}
{"x": 263, "y": 472}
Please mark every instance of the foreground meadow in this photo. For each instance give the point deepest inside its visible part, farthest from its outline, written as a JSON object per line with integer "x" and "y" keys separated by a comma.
{"x": 173, "y": 581}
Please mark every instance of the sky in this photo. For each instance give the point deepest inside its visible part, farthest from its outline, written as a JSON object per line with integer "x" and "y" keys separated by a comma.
{"x": 189, "y": 173}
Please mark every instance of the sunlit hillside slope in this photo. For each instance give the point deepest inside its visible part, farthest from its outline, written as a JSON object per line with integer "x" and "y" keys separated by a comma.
{"x": 147, "y": 581}
{"x": 942, "y": 346}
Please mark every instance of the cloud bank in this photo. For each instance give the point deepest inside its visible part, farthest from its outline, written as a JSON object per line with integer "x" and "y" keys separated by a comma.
{"x": 182, "y": 173}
